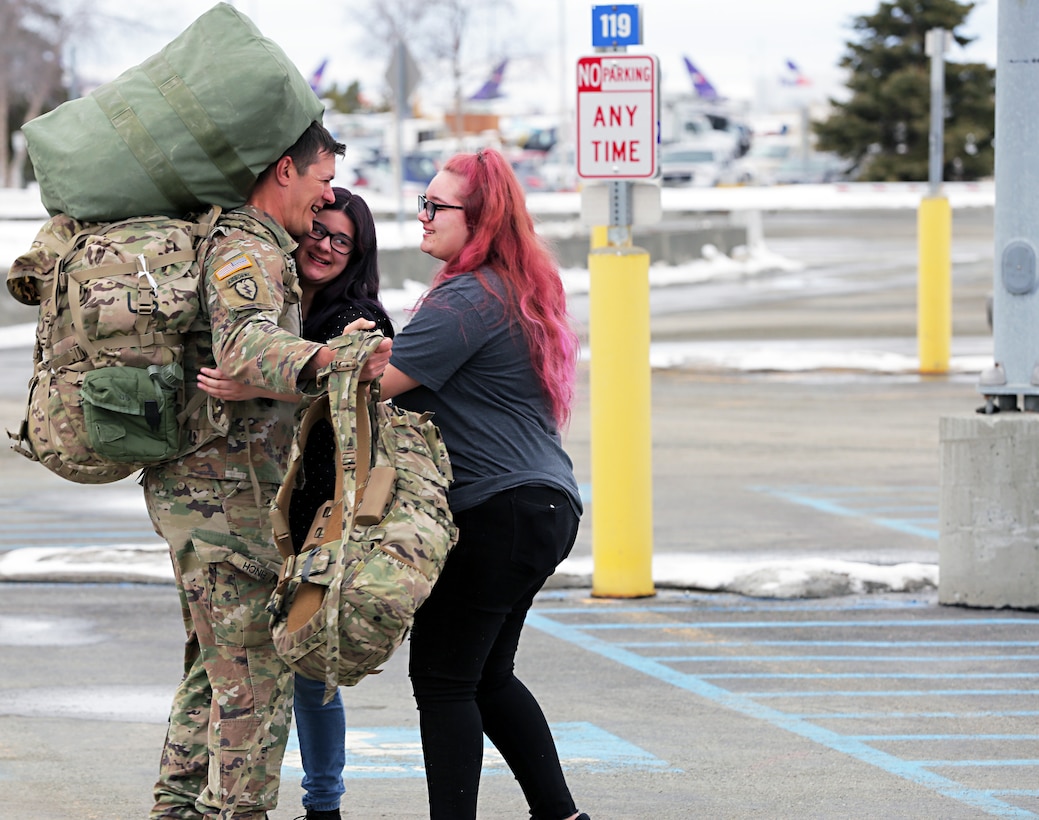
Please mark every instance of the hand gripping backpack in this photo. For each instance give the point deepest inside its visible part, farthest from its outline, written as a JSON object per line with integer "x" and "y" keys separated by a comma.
{"x": 347, "y": 597}
{"x": 107, "y": 395}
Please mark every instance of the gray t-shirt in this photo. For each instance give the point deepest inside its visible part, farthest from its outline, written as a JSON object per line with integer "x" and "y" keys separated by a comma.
{"x": 476, "y": 376}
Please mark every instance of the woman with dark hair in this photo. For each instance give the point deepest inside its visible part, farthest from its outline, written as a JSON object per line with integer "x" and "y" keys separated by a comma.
{"x": 490, "y": 351}
{"x": 338, "y": 267}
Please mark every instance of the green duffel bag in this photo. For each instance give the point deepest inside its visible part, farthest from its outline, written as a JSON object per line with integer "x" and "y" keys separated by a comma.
{"x": 191, "y": 126}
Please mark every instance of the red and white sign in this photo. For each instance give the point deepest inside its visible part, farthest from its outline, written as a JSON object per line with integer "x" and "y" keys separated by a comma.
{"x": 617, "y": 114}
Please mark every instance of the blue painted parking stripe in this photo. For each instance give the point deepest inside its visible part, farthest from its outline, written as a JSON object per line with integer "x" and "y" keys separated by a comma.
{"x": 940, "y": 764}
{"x": 869, "y": 675}
{"x": 396, "y": 752}
{"x": 832, "y": 624}
{"x": 731, "y": 602}
{"x": 743, "y": 702}
{"x": 872, "y": 738}
{"x": 894, "y": 693}
{"x": 834, "y": 658}
{"x": 862, "y": 643}
{"x": 880, "y": 489}
{"x": 901, "y": 715}
{"x": 824, "y": 503}
{"x": 765, "y": 605}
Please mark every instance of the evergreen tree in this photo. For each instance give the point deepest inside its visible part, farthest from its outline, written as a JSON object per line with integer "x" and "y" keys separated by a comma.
{"x": 883, "y": 128}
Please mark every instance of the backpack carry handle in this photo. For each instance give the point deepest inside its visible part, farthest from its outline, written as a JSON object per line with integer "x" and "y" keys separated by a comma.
{"x": 357, "y": 346}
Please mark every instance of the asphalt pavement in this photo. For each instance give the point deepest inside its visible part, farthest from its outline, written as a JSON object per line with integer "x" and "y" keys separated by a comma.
{"x": 685, "y": 704}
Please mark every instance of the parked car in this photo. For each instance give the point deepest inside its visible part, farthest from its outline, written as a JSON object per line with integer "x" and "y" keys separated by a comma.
{"x": 817, "y": 168}
{"x": 766, "y": 155}
{"x": 528, "y": 172}
{"x": 694, "y": 165}
{"x": 417, "y": 169}
{"x": 559, "y": 168}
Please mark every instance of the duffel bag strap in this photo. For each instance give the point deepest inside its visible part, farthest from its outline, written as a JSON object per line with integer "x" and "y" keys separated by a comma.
{"x": 196, "y": 119}
{"x": 144, "y": 148}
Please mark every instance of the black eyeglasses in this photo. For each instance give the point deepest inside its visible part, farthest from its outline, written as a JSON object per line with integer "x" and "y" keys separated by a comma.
{"x": 431, "y": 208}
{"x": 341, "y": 243}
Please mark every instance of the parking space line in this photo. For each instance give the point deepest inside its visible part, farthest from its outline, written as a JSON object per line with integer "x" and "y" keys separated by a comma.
{"x": 868, "y": 503}
{"x": 944, "y": 764}
{"x": 841, "y": 658}
{"x": 809, "y": 624}
{"x": 991, "y": 713}
{"x": 868, "y": 738}
{"x": 601, "y": 631}
{"x": 396, "y": 752}
{"x": 894, "y": 693}
{"x": 860, "y": 644}
{"x": 865, "y": 675}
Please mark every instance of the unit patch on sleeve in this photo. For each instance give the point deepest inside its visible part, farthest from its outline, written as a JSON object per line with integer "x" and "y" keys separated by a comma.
{"x": 241, "y": 284}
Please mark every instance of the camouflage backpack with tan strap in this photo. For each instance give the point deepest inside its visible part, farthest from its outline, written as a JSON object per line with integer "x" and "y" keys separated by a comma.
{"x": 108, "y": 394}
{"x": 348, "y": 595}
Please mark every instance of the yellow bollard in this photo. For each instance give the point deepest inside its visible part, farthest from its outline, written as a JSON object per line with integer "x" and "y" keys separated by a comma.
{"x": 934, "y": 284}
{"x": 622, "y": 477}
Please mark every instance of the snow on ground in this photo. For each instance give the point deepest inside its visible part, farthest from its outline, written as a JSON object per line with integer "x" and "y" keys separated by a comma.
{"x": 779, "y": 577}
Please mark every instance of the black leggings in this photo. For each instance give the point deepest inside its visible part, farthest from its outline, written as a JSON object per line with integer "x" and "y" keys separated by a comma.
{"x": 463, "y": 648}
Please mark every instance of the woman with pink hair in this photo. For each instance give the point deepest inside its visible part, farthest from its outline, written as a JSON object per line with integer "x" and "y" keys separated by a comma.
{"x": 490, "y": 351}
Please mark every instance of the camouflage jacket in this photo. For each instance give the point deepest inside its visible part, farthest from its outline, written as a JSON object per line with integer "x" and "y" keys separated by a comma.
{"x": 250, "y": 327}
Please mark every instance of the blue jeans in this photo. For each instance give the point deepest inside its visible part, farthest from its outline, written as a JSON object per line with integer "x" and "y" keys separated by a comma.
{"x": 322, "y": 744}
{"x": 463, "y": 646}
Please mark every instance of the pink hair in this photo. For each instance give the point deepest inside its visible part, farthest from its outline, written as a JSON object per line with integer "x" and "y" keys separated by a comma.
{"x": 502, "y": 238}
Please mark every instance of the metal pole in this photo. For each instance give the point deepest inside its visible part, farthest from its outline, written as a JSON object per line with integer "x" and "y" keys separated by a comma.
{"x": 1015, "y": 287}
{"x": 399, "y": 106}
{"x": 934, "y": 231}
{"x": 935, "y": 47}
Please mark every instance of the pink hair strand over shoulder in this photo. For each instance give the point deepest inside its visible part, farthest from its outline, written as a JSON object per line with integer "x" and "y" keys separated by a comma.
{"x": 502, "y": 238}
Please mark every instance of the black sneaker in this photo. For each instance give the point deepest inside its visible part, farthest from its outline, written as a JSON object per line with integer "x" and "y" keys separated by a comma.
{"x": 325, "y": 814}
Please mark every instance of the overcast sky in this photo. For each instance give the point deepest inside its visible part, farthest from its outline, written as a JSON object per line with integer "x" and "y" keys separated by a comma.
{"x": 740, "y": 45}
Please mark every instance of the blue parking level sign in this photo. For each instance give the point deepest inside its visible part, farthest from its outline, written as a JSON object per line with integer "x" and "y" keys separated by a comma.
{"x": 616, "y": 25}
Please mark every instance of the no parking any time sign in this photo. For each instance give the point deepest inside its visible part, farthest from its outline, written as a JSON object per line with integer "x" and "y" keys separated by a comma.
{"x": 617, "y": 114}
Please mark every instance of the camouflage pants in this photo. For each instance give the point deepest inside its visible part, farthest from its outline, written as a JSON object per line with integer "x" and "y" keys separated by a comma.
{"x": 230, "y": 718}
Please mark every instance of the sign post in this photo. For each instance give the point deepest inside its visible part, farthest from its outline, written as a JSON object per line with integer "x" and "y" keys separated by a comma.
{"x": 617, "y": 115}
{"x": 403, "y": 75}
{"x": 934, "y": 230}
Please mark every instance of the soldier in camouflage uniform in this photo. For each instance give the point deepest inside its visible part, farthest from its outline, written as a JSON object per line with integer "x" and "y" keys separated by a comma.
{"x": 230, "y": 718}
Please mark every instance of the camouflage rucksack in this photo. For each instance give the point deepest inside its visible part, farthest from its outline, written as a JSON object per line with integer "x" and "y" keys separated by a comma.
{"x": 347, "y": 596}
{"x": 107, "y": 395}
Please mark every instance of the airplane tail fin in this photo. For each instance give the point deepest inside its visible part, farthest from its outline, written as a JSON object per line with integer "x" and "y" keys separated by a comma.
{"x": 794, "y": 76}
{"x": 315, "y": 78}
{"x": 491, "y": 90}
{"x": 701, "y": 85}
